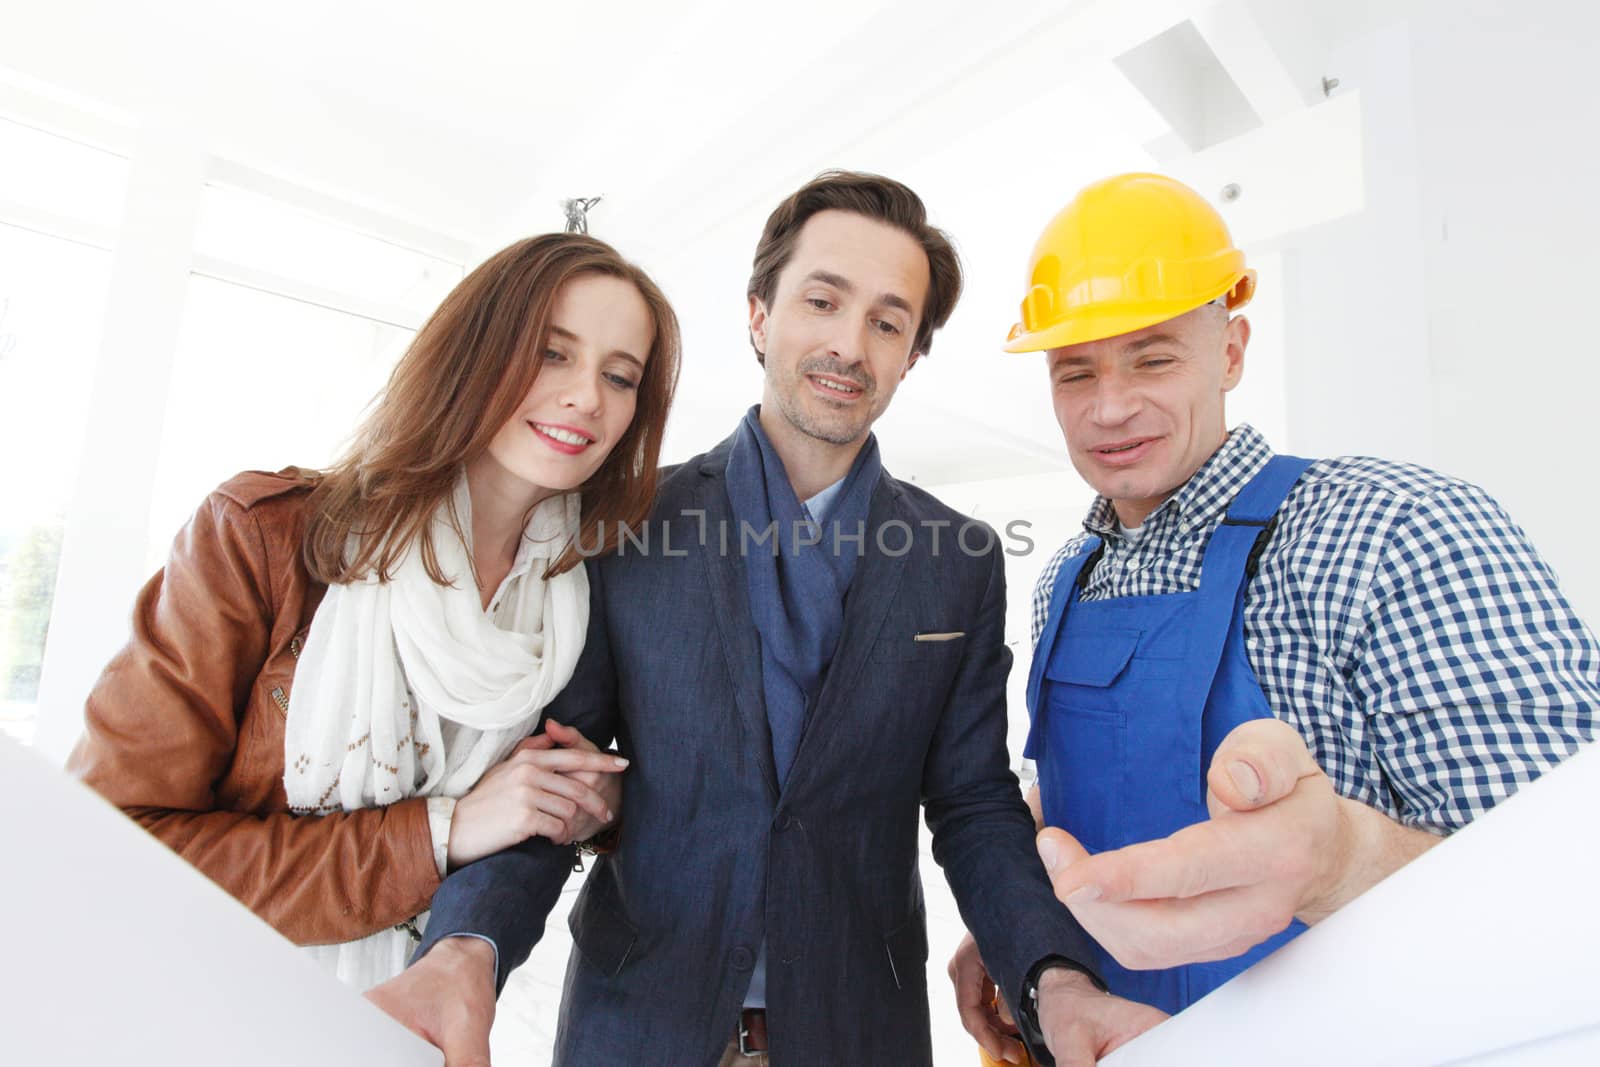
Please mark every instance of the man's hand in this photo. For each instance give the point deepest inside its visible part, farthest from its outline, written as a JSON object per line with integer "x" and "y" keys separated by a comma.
{"x": 447, "y": 999}
{"x": 1080, "y": 1024}
{"x": 1280, "y": 845}
{"x": 985, "y": 1019}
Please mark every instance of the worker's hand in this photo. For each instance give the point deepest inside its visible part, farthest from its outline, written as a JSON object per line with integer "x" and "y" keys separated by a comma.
{"x": 447, "y": 999}
{"x": 1275, "y": 848}
{"x": 983, "y": 1014}
{"x": 1081, "y": 1024}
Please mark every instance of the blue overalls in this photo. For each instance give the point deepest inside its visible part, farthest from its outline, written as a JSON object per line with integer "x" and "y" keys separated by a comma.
{"x": 1130, "y": 698}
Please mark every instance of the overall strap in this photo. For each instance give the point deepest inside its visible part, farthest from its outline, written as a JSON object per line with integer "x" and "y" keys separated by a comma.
{"x": 1229, "y": 561}
{"x": 1064, "y": 591}
{"x": 1243, "y": 531}
{"x": 1258, "y": 502}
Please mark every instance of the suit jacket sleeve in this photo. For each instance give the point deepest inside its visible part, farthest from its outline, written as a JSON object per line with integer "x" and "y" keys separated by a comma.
{"x": 506, "y": 898}
{"x": 983, "y": 834}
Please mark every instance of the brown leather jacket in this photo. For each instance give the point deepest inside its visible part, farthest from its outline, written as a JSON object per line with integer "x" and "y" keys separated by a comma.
{"x": 184, "y": 730}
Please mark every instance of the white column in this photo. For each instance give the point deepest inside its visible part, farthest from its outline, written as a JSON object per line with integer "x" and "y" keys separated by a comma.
{"x": 103, "y": 553}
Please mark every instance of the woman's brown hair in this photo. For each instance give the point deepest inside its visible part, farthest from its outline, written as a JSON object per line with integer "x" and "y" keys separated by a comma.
{"x": 463, "y": 376}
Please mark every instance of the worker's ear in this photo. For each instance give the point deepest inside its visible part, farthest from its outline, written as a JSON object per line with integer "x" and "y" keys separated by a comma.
{"x": 1235, "y": 338}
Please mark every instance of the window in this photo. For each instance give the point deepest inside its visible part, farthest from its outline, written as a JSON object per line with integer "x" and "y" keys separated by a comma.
{"x": 59, "y": 177}
{"x": 260, "y": 382}
{"x": 60, "y": 201}
{"x": 52, "y": 296}
{"x": 275, "y": 239}
{"x": 291, "y": 326}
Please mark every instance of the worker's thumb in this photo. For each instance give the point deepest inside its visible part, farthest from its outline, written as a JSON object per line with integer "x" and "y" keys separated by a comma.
{"x": 1259, "y": 763}
{"x": 1059, "y": 850}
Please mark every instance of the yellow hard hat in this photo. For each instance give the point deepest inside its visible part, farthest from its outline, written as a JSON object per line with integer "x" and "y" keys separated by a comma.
{"x": 1127, "y": 253}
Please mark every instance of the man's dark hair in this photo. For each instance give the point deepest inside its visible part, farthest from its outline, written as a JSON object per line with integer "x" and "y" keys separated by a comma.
{"x": 874, "y": 197}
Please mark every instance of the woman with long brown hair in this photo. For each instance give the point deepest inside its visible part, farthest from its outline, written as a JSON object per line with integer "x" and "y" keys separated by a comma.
{"x": 325, "y": 681}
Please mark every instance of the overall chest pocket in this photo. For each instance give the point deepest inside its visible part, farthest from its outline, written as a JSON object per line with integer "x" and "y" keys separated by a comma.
{"x": 1083, "y": 768}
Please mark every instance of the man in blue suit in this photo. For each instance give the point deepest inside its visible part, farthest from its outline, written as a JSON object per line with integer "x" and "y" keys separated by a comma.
{"x": 804, "y": 651}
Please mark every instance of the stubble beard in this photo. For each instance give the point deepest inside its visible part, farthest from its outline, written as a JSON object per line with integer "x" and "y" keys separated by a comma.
{"x": 840, "y": 432}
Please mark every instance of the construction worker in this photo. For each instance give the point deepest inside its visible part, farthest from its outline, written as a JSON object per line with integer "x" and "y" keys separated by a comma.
{"x": 1260, "y": 684}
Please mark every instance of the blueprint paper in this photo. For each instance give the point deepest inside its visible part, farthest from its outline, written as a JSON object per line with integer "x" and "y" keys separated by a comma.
{"x": 1485, "y": 950}
{"x": 117, "y": 952}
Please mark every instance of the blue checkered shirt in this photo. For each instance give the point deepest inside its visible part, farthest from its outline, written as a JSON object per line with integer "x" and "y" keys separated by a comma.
{"x": 1400, "y": 620}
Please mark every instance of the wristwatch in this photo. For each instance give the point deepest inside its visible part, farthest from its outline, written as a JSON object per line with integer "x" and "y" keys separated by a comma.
{"x": 601, "y": 843}
{"x": 1028, "y": 1010}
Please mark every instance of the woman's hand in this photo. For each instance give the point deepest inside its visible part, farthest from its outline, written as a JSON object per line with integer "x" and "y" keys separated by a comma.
{"x": 584, "y": 825}
{"x": 540, "y": 790}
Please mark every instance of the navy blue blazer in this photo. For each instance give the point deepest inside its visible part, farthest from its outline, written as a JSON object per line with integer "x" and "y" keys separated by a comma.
{"x": 714, "y": 856}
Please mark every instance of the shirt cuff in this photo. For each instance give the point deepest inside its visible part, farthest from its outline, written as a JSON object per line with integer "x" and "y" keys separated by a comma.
{"x": 499, "y": 979}
{"x": 441, "y": 810}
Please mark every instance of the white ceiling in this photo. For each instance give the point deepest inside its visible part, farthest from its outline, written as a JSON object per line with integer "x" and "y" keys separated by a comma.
{"x": 692, "y": 119}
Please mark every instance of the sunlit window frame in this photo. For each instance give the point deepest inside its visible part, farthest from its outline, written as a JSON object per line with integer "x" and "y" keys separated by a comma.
{"x": 450, "y": 249}
{"x": 43, "y": 108}
{"x": 116, "y": 135}
{"x": 81, "y": 126}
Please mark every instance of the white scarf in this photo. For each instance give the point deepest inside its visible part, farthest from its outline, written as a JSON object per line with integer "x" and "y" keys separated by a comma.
{"x": 387, "y": 663}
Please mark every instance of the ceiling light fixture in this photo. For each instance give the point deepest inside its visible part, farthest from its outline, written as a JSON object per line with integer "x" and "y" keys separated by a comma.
{"x": 577, "y": 210}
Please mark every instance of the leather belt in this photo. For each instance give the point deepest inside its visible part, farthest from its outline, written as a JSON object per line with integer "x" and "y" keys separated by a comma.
{"x": 752, "y": 1033}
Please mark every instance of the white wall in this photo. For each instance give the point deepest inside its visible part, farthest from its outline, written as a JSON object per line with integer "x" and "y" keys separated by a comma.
{"x": 1511, "y": 237}
{"x": 1356, "y": 339}
{"x": 1444, "y": 324}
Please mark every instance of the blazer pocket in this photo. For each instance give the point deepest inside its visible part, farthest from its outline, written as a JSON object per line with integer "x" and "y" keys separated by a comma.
{"x": 600, "y": 927}
{"x": 907, "y": 947}
{"x": 920, "y": 646}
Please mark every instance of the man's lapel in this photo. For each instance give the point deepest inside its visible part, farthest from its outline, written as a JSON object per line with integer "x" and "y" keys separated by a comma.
{"x": 872, "y": 590}
{"x": 730, "y": 594}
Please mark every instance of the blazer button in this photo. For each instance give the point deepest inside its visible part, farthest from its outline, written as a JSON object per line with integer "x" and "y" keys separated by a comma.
{"x": 742, "y": 959}
{"x": 786, "y": 823}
